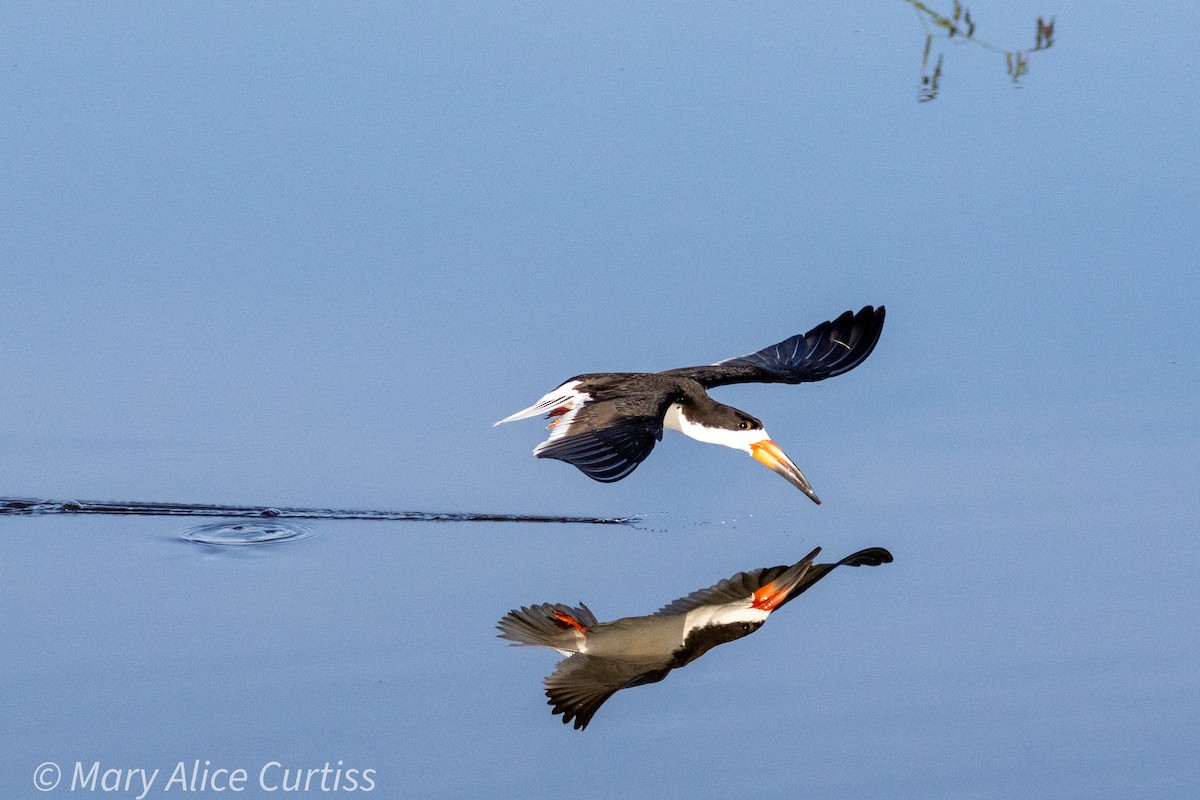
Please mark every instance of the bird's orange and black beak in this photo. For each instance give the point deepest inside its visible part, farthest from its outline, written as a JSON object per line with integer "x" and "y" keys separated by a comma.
{"x": 768, "y": 453}
{"x": 779, "y": 591}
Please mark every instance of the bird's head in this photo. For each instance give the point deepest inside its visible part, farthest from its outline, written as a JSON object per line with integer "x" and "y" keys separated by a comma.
{"x": 731, "y": 427}
{"x": 703, "y": 638}
{"x": 732, "y": 631}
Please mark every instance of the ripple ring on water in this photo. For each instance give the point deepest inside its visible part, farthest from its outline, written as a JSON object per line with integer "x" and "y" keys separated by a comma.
{"x": 240, "y": 534}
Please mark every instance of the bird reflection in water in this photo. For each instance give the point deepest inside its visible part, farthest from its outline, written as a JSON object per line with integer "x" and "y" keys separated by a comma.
{"x": 606, "y": 657}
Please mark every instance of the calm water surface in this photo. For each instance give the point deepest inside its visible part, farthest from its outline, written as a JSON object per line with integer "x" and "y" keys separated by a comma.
{"x": 272, "y": 256}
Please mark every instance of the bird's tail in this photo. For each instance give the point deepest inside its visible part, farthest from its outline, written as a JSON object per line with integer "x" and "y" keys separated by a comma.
{"x": 563, "y": 396}
{"x": 553, "y": 625}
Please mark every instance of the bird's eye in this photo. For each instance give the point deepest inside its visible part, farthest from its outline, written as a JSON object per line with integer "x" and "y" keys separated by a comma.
{"x": 746, "y": 627}
{"x": 744, "y": 425}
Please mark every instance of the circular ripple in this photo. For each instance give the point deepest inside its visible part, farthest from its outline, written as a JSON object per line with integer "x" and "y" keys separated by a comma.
{"x": 238, "y": 534}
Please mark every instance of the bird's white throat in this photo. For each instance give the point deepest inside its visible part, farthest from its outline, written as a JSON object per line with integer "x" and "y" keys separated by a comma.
{"x": 729, "y": 613}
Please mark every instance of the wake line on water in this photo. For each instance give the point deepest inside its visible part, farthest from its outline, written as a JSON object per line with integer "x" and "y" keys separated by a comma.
{"x": 20, "y": 506}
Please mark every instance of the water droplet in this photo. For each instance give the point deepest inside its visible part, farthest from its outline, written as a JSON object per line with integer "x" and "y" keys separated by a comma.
{"x": 237, "y": 534}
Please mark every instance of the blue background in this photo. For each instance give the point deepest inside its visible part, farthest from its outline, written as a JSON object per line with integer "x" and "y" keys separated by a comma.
{"x": 305, "y": 254}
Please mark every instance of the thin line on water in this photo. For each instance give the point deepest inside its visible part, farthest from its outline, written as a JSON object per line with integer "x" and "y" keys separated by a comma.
{"x": 20, "y": 506}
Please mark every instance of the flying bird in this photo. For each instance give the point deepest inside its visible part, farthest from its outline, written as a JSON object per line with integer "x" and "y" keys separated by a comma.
{"x": 606, "y": 423}
{"x": 606, "y": 657}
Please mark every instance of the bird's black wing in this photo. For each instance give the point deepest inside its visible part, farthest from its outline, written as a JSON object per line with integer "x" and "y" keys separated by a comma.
{"x": 603, "y": 439}
{"x": 582, "y": 683}
{"x": 827, "y": 350}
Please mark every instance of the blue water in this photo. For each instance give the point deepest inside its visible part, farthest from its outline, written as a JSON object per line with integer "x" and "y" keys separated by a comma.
{"x": 299, "y": 256}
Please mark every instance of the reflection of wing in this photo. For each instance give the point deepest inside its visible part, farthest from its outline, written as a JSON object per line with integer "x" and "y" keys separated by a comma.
{"x": 870, "y": 557}
{"x": 603, "y": 443}
{"x": 827, "y": 350}
{"x": 730, "y": 590}
{"x": 581, "y": 683}
{"x": 744, "y": 584}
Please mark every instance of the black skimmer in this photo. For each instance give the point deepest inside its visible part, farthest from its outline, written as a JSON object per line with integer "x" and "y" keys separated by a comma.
{"x": 606, "y": 657}
{"x": 606, "y": 423}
